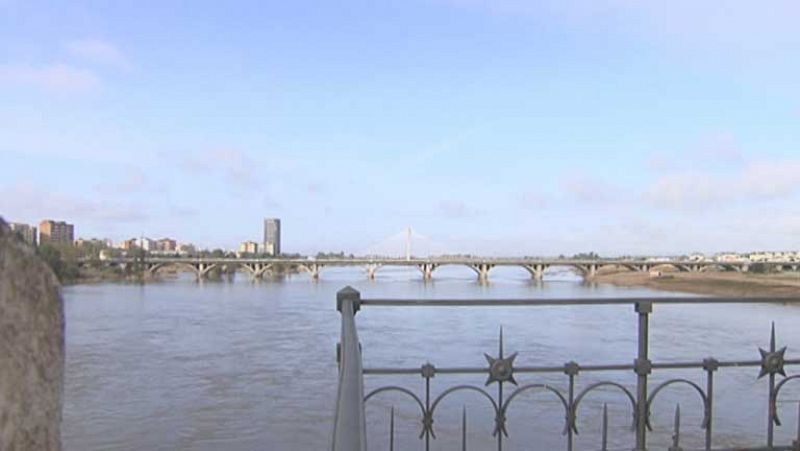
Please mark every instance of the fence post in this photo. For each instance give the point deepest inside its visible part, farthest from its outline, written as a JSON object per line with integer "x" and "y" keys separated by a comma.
{"x": 642, "y": 367}
{"x": 349, "y": 430}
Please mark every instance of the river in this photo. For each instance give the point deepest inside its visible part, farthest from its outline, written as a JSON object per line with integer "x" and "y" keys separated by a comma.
{"x": 251, "y": 366}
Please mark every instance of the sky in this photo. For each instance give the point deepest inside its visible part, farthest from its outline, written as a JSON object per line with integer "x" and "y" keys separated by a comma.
{"x": 501, "y": 127}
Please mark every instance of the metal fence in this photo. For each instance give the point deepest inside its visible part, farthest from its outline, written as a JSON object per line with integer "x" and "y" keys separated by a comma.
{"x": 350, "y": 421}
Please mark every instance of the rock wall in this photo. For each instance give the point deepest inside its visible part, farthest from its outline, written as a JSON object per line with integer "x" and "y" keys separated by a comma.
{"x": 31, "y": 349}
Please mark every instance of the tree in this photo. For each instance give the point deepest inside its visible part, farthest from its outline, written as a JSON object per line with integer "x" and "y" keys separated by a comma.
{"x": 63, "y": 262}
{"x": 586, "y": 256}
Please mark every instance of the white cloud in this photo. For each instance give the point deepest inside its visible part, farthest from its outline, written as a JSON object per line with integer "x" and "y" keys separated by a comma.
{"x": 57, "y": 78}
{"x": 592, "y": 190}
{"x": 234, "y": 166}
{"x": 688, "y": 191}
{"x": 755, "y": 181}
{"x": 98, "y": 52}
{"x": 27, "y": 201}
{"x": 771, "y": 179}
{"x": 131, "y": 180}
{"x": 717, "y": 152}
{"x": 532, "y": 200}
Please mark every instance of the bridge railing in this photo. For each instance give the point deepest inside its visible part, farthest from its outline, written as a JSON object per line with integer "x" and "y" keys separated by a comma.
{"x": 349, "y": 429}
{"x": 349, "y": 433}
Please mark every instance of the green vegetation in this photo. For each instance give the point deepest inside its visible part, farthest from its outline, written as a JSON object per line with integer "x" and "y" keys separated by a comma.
{"x": 586, "y": 256}
{"x": 339, "y": 254}
{"x": 62, "y": 259}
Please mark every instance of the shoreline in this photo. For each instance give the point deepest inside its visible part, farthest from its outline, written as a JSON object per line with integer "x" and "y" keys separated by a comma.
{"x": 712, "y": 283}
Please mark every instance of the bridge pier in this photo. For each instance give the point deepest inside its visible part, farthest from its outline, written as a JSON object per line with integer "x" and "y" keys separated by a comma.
{"x": 427, "y": 270}
{"x": 371, "y": 270}
{"x": 203, "y": 269}
{"x": 314, "y": 269}
{"x": 260, "y": 270}
{"x": 589, "y": 270}
{"x": 252, "y": 269}
{"x": 537, "y": 271}
{"x": 483, "y": 272}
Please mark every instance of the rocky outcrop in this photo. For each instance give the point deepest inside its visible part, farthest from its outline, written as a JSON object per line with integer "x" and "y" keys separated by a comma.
{"x": 31, "y": 348}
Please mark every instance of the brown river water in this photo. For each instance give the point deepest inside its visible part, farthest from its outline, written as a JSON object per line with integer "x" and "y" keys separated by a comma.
{"x": 251, "y": 366}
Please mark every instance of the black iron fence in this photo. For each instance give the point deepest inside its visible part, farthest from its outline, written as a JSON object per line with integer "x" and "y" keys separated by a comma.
{"x": 350, "y": 421}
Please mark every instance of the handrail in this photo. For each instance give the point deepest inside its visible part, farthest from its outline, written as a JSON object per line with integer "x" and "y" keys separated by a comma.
{"x": 349, "y": 431}
{"x": 350, "y": 417}
{"x": 557, "y": 302}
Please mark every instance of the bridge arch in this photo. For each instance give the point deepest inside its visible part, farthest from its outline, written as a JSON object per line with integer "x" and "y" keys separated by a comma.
{"x": 190, "y": 267}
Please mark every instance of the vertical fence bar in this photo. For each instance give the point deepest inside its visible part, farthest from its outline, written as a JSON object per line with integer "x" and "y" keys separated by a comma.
{"x": 709, "y": 365}
{"x": 500, "y": 405}
{"x": 772, "y": 408}
{"x": 604, "y": 439}
{"x": 796, "y": 443}
{"x": 642, "y": 367}
{"x": 428, "y": 411}
{"x": 464, "y": 429}
{"x": 349, "y": 431}
{"x": 391, "y": 430}
{"x": 676, "y": 430}
{"x": 571, "y": 403}
{"x": 571, "y": 369}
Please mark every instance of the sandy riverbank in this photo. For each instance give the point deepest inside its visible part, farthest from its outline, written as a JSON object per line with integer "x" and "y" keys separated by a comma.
{"x": 710, "y": 283}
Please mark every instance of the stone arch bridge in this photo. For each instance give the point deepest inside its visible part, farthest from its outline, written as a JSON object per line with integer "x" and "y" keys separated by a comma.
{"x": 258, "y": 268}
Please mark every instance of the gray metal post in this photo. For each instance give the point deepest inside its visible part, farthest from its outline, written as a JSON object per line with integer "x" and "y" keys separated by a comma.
{"x": 349, "y": 431}
{"x": 642, "y": 367}
{"x": 710, "y": 365}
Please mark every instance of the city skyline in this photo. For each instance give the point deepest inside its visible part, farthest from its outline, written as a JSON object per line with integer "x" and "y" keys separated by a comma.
{"x": 506, "y": 129}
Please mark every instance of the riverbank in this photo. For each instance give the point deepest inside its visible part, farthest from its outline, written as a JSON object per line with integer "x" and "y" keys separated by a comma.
{"x": 710, "y": 283}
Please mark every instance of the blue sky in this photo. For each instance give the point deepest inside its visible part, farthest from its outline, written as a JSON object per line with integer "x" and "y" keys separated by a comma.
{"x": 505, "y": 127}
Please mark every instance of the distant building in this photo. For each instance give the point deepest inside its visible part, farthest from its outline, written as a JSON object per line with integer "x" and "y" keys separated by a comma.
{"x": 167, "y": 245}
{"x": 728, "y": 258}
{"x": 272, "y": 236}
{"x": 58, "y": 232}
{"x": 93, "y": 242}
{"x": 186, "y": 249}
{"x": 248, "y": 247}
{"x": 26, "y": 232}
{"x": 128, "y": 245}
{"x": 147, "y": 244}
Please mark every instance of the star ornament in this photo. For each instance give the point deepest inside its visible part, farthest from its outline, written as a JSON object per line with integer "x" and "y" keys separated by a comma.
{"x": 772, "y": 362}
{"x": 501, "y": 369}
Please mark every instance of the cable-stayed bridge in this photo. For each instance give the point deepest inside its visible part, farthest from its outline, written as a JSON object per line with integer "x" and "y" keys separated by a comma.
{"x": 406, "y": 244}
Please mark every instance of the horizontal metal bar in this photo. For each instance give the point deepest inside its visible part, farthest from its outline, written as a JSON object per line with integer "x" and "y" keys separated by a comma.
{"x": 378, "y": 302}
{"x": 560, "y": 369}
{"x": 758, "y": 448}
